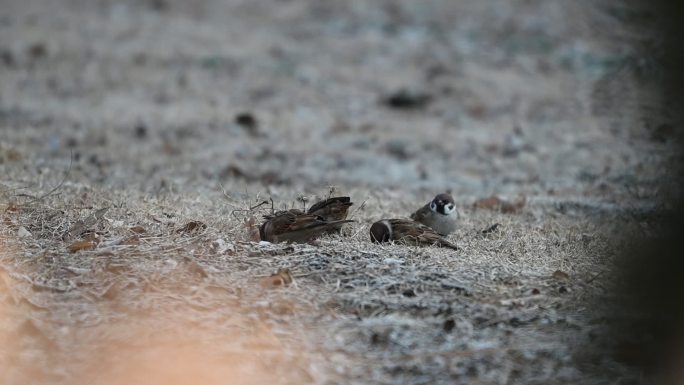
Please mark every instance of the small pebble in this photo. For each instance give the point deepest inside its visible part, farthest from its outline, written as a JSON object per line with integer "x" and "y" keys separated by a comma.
{"x": 23, "y": 233}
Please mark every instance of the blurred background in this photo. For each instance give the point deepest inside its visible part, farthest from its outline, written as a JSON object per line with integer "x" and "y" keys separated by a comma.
{"x": 515, "y": 97}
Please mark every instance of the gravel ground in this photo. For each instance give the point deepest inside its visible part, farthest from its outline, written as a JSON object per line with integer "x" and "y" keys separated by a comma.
{"x": 121, "y": 123}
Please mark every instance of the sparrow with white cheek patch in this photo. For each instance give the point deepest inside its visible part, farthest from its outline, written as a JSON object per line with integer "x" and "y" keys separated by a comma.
{"x": 407, "y": 231}
{"x": 295, "y": 226}
{"x": 440, "y": 214}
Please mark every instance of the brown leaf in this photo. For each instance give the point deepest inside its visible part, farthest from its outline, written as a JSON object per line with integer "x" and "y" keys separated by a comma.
{"x": 513, "y": 207}
{"x": 495, "y": 203}
{"x": 281, "y": 278}
{"x": 83, "y": 225}
{"x": 82, "y": 245}
{"x": 138, "y": 229}
{"x": 131, "y": 241}
{"x": 492, "y": 202}
{"x": 491, "y": 228}
{"x": 232, "y": 171}
{"x": 252, "y": 229}
{"x": 560, "y": 275}
{"x": 12, "y": 208}
{"x": 191, "y": 227}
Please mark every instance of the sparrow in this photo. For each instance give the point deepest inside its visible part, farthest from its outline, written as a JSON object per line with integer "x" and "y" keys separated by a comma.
{"x": 407, "y": 231}
{"x": 332, "y": 209}
{"x": 295, "y": 226}
{"x": 440, "y": 214}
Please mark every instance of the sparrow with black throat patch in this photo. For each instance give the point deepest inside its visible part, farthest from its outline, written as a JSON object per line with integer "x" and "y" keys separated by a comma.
{"x": 408, "y": 232}
{"x": 295, "y": 226}
{"x": 439, "y": 214}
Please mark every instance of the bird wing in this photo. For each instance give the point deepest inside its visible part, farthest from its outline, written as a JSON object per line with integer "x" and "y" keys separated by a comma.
{"x": 295, "y": 226}
{"x": 332, "y": 208}
{"x": 416, "y": 233}
{"x": 421, "y": 213}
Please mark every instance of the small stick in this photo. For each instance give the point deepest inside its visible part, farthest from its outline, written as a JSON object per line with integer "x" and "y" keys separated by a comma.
{"x": 359, "y": 207}
{"x": 595, "y": 276}
{"x": 249, "y": 209}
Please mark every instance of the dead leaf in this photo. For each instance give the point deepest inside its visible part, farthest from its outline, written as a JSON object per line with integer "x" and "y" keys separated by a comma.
{"x": 233, "y": 171}
{"x": 252, "y": 229}
{"x": 491, "y": 202}
{"x": 12, "y": 208}
{"x": 281, "y": 278}
{"x": 131, "y": 241}
{"x": 82, "y": 245}
{"x": 491, "y": 228}
{"x": 138, "y": 229}
{"x": 83, "y": 225}
{"x": 513, "y": 207}
{"x": 191, "y": 227}
{"x": 560, "y": 275}
{"x": 495, "y": 203}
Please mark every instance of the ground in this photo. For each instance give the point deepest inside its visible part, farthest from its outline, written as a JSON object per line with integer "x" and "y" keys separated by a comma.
{"x": 138, "y": 138}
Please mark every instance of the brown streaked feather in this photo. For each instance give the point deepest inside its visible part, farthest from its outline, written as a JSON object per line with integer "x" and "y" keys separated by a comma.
{"x": 407, "y": 231}
{"x": 334, "y": 208}
{"x": 295, "y": 226}
{"x": 421, "y": 213}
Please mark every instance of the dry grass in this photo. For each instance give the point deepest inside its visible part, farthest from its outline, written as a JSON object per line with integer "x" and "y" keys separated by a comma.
{"x": 356, "y": 311}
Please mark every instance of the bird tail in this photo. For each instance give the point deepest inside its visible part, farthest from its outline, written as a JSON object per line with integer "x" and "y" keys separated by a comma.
{"x": 448, "y": 244}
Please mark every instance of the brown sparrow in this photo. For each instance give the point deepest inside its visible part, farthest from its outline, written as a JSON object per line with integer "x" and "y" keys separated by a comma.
{"x": 295, "y": 226}
{"x": 407, "y": 231}
{"x": 332, "y": 209}
{"x": 440, "y": 214}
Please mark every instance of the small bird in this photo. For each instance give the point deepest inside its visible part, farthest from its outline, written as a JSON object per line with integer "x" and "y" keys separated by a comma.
{"x": 439, "y": 214}
{"x": 332, "y": 209}
{"x": 295, "y": 226}
{"x": 407, "y": 231}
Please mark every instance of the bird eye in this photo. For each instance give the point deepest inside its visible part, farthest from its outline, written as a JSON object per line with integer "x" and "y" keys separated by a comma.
{"x": 433, "y": 206}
